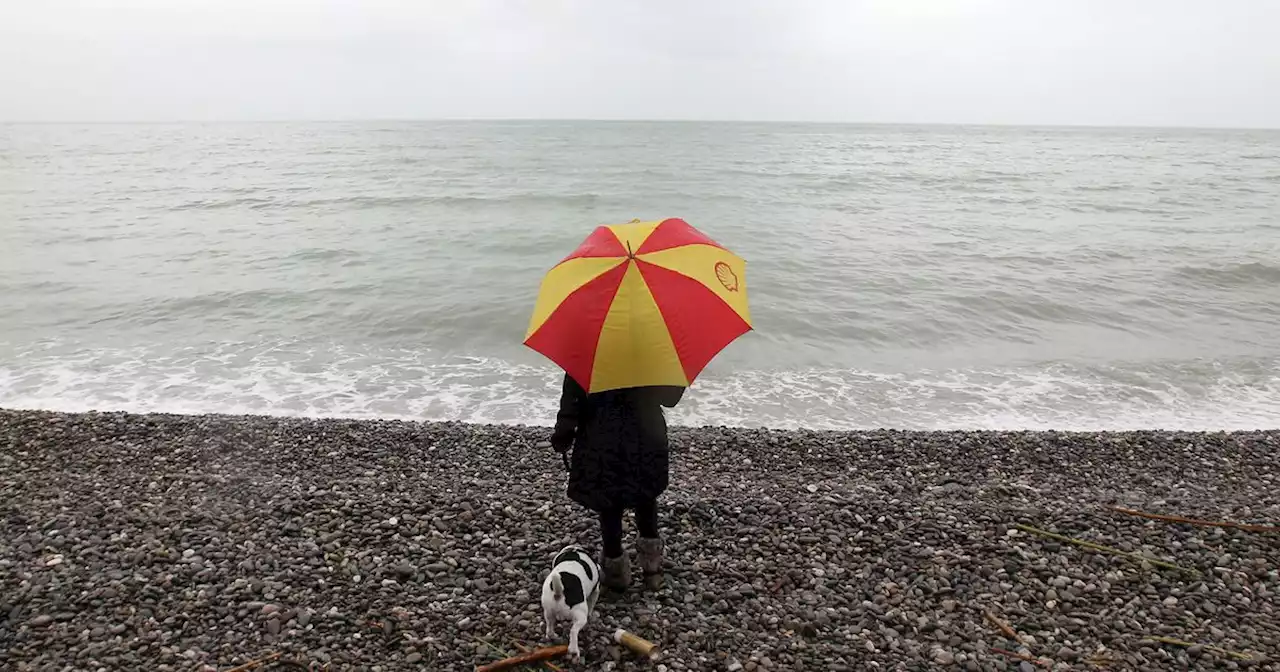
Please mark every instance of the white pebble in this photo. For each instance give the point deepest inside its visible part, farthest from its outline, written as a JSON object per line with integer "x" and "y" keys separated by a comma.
{"x": 811, "y": 487}
{"x": 393, "y": 521}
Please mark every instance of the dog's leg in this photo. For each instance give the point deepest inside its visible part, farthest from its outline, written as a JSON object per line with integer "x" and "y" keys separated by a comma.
{"x": 579, "y": 620}
{"x": 591, "y": 600}
{"x": 550, "y": 617}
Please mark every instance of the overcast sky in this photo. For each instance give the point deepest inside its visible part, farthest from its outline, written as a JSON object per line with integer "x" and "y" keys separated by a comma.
{"x": 1098, "y": 62}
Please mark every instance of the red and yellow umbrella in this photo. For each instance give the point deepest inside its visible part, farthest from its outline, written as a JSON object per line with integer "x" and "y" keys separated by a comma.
{"x": 645, "y": 303}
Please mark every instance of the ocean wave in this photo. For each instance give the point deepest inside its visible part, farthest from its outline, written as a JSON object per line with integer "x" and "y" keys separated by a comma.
{"x": 265, "y": 303}
{"x": 375, "y": 202}
{"x": 1115, "y": 208}
{"x": 221, "y": 204}
{"x": 1001, "y": 309}
{"x": 292, "y": 378}
{"x": 1012, "y": 259}
{"x": 999, "y": 178}
{"x": 321, "y": 254}
{"x": 1229, "y": 276}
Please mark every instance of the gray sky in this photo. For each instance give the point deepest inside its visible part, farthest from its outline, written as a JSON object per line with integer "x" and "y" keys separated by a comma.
{"x": 1122, "y": 62}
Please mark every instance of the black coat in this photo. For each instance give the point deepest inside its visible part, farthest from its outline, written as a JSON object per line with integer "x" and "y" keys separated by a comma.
{"x": 619, "y": 441}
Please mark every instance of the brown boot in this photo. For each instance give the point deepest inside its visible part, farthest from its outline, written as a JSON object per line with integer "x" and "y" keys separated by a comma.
{"x": 649, "y": 555}
{"x": 615, "y": 573}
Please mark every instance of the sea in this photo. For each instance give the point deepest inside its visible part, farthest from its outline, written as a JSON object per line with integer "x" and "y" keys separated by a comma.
{"x": 911, "y": 277}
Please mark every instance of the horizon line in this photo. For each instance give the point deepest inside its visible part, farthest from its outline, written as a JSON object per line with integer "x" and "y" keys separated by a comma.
{"x": 776, "y": 122}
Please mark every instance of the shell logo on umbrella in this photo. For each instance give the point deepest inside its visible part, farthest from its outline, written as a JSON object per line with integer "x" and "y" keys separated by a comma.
{"x": 726, "y": 276}
{"x": 644, "y": 303}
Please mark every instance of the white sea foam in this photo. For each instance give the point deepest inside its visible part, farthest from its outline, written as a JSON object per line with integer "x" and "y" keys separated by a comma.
{"x": 288, "y": 379}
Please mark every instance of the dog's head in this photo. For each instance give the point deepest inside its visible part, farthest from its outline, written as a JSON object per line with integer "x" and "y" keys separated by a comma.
{"x": 569, "y": 552}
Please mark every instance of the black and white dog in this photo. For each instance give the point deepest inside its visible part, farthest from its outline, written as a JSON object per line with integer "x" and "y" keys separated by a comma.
{"x": 570, "y": 593}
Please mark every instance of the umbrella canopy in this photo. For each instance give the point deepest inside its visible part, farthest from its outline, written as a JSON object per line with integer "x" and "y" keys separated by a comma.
{"x": 645, "y": 303}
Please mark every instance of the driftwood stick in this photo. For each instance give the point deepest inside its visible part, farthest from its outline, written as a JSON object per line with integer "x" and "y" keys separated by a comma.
{"x": 1207, "y": 647}
{"x": 1104, "y": 549}
{"x": 255, "y": 663}
{"x": 1197, "y": 521}
{"x": 1002, "y": 626}
{"x": 1019, "y": 656}
{"x": 525, "y": 648}
{"x": 537, "y": 655}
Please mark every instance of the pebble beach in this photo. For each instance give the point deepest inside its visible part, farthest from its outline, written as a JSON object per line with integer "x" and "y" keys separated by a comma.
{"x": 166, "y": 542}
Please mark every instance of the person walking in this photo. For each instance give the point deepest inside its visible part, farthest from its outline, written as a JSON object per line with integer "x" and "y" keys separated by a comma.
{"x": 618, "y": 461}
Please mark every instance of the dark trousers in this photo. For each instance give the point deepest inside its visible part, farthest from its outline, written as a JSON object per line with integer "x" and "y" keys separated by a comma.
{"x": 611, "y": 526}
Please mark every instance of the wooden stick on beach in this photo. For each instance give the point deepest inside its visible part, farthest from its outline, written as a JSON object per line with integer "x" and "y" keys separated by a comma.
{"x": 525, "y": 648}
{"x": 537, "y": 655}
{"x": 255, "y": 663}
{"x": 1104, "y": 549}
{"x": 1197, "y": 521}
{"x": 1003, "y": 627}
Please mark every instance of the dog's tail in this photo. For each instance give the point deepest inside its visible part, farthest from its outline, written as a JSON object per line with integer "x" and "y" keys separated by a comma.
{"x": 557, "y": 587}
